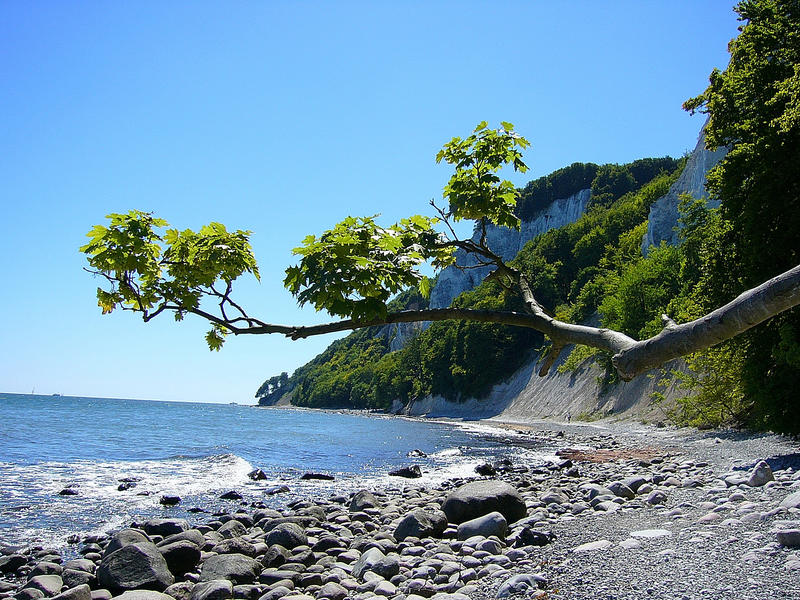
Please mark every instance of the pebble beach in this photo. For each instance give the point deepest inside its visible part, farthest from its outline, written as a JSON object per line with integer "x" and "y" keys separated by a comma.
{"x": 623, "y": 511}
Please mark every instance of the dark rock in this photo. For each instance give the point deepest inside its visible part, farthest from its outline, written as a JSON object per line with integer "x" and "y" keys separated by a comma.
{"x": 363, "y": 499}
{"x": 68, "y": 492}
{"x": 181, "y": 590}
{"x": 237, "y": 568}
{"x": 134, "y": 566}
{"x": 126, "y": 485}
{"x": 275, "y": 556}
{"x": 421, "y": 524}
{"x": 327, "y": 542}
{"x": 12, "y": 562}
{"x": 278, "y": 489}
{"x": 323, "y": 476}
{"x": 531, "y": 537}
{"x": 235, "y": 545}
{"x": 169, "y": 500}
{"x": 232, "y": 529}
{"x": 215, "y": 589}
{"x": 196, "y": 509}
{"x": 288, "y": 535}
{"x": 416, "y": 453}
{"x": 410, "y": 472}
{"x": 486, "y": 525}
{"x": 485, "y": 469}
{"x": 191, "y": 535}
{"x": 80, "y": 564}
{"x": 482, "y": 497}
{"x": 257, "y": 475}
{"x": 246, "y": 592}
{"x": 165, "y": 527}
{"x": 276, "y": 593}
{"x": 332, "y": 591}
{"x": 123, "y": 538}
{"x": 232, "y": 495}
{"x": 29, "y": 594}
{"x": 45, "y": 568}
{"x": 270, "y": 577}
{"x": 182, "y": 556}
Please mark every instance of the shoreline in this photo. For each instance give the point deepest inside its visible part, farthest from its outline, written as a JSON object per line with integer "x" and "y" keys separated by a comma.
{"x": 623, "y": 525}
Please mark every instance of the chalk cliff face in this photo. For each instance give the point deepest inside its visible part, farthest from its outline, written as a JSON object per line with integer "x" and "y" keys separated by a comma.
{"x": 663, "y": 218}
{"x": 507, "y": 243}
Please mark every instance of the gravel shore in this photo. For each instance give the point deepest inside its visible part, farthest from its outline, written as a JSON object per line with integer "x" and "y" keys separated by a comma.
{"x": 626, "y": 511}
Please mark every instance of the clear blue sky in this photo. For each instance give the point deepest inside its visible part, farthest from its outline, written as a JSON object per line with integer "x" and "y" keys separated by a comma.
{"x": 283, "y": 118}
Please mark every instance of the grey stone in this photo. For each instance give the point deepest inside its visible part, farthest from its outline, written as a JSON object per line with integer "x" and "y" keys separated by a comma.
{"x": 363, "y": 499}
{"x": 80, "y": 564}
{"x": 376, "y": 561}
{"x": 487, "y": 525}
{"x": 421, "y": 524}
{"x": 656, "y": 497}
{"x": 134, "y": 566}
{"x": 288, "y": 535}
{"x": 237, "y": 568}
{"x": 181, "y": 590}
{"x": 482, "y": 497}
{"x": 332, "y": 591}
{"x": 232, "y": 529}
{"x": 215, "y": 589}
{"x": 620, "y": 489}
{"x": 80, "y": 592}
{"x": 73, "y": 578}
{"x": 760, "y": 475}
{"x": 49, "y": 585}
{"x": 46, "y": 568}
{"x": 520, "y": 584}
{"x": 12, "y": 562}
{"x": 192, "y": 535}
{"x": 791, "y": 501}
{"x": 279, "y": 591}
{"x": 142, "y": 595}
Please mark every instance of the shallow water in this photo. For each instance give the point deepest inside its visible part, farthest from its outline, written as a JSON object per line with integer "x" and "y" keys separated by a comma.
{"x": 198, "y": 451}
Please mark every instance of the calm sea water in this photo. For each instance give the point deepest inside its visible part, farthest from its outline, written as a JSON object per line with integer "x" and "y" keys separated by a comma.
{"x": 198, "y": 451}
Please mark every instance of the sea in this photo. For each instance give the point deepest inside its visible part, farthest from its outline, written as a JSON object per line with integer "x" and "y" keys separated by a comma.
{"x": 200, "y": 451}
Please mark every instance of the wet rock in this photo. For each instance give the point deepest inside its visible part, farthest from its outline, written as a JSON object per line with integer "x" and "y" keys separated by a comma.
{"x": 485, "y": 469}
{"x": 278, "y": 489}
{"x": 257, "y": 475}
{"x": 409, "y": 472}
{"x": 165, "y": 527}
{"x": 167, "y": 500}
{"x": 416, "y": 453}
{"x": 126, "y": 485}
{"x": 136, "y": 565}
{"x": 12, "y": 562}
{"x": 275, "y": 556}
{"x": 486, "y": 525}
{"x": 237, "y": 568}
{"x": 231, "y": 495}
{"x": 68, "y": 492}
{"x": 322, "y": 476}
{"x": 482, "y": 497}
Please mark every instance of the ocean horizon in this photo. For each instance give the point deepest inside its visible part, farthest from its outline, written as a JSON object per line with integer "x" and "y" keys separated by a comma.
{"x": 198, "y": 451}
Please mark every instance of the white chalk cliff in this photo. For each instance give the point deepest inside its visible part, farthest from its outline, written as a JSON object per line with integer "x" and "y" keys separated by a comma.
{"x": 663, "y": 219}
{"x": 506, "y": 243}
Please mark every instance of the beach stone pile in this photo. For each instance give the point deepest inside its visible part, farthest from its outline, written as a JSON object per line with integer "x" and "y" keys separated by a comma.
{"x": 570, "y": 528}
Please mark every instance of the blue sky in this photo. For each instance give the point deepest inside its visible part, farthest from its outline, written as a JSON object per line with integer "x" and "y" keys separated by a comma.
{"x": 284, "y": 118}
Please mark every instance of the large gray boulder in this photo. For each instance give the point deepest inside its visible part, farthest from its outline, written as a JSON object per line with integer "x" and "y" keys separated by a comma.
{"x": 135, "y": 566}
{"x": 791, "y": 501}
{"x": 288, "y": 535}
{"x": 421, "y": 524}
{"x": 49, "y": 585}
{"x": 482, "y": 497}
{"x": 376, "y": 561}
{"x": 487, "y": 525}
{"x": 237, "y": 568}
